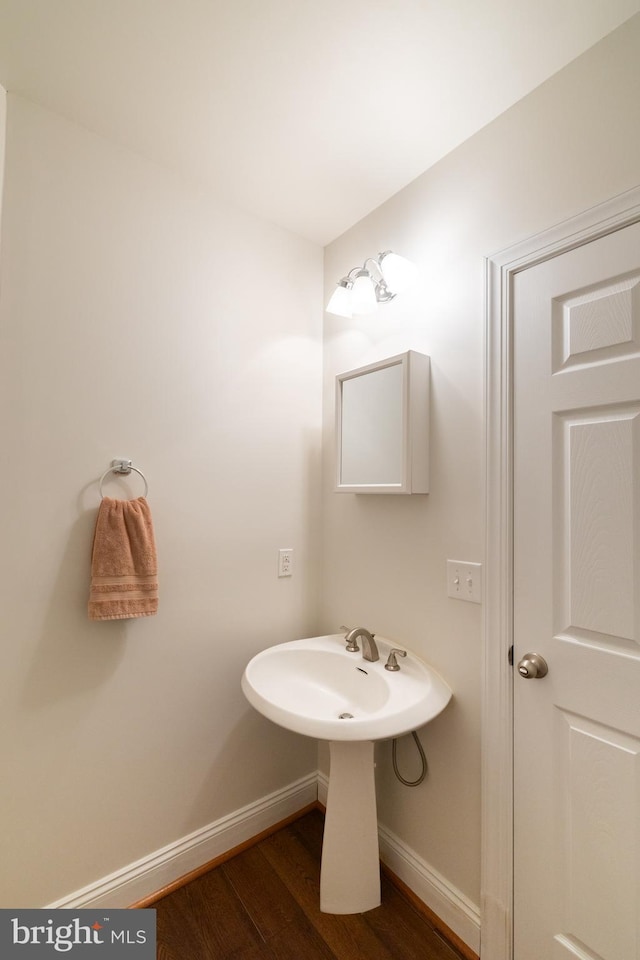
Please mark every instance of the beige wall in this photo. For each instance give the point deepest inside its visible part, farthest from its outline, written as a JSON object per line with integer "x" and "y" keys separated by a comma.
{"x": 137, "y": 320}
{"x": 571, "y": 144}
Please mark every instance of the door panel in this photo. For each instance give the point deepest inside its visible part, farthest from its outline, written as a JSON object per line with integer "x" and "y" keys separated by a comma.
{"x": 597, "y": 786}
{"x": 577, "y": 603}
{"x": 597, "y": 496}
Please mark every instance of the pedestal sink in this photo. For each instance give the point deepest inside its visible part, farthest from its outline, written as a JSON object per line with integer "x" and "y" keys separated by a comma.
{"x": 316, "y": 687}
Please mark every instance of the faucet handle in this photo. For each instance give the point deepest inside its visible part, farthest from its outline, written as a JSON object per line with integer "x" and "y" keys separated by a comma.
{"x": 392, "y": 663}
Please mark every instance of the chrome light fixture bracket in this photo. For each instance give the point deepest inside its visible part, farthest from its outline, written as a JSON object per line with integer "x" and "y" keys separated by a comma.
{"x": 352, "y": 297}
{"x": 382, "y": 292}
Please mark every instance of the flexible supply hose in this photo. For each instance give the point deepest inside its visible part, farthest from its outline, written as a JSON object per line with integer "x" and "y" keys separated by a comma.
{"x": 409, "y": 783}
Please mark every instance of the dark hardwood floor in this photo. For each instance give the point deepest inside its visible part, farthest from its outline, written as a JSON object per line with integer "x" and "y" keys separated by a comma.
{"x": 264, "y": 905}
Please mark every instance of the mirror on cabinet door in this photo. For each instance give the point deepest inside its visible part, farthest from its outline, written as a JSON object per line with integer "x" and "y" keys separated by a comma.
{"x": 382, "y": 426}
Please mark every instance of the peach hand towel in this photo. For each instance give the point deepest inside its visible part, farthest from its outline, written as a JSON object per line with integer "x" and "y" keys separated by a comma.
{"x": 124, "y": 566}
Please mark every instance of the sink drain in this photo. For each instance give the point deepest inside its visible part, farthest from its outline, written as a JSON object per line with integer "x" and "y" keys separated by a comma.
{"x": 345, "y": 716}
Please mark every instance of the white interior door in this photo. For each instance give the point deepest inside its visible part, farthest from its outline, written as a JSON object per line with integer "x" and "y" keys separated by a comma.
{"x": 577, "y": 603}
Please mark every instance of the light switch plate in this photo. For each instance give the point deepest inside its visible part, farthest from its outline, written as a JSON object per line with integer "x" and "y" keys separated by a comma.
{"x": 464, "y": 580}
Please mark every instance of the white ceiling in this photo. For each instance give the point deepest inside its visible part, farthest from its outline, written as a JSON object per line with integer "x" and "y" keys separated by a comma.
{"x": 307, "y": 112}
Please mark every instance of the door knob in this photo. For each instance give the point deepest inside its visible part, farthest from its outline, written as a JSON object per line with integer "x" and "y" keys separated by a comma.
{"x": 533, "y": 667}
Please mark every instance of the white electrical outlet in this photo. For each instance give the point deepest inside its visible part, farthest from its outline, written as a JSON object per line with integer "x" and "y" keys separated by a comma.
{"x": 464, "y": 580}
{"x": 285, "y": 562}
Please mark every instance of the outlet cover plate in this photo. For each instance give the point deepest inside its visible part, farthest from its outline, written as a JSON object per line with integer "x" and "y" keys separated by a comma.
{"x": 285, "y": 562}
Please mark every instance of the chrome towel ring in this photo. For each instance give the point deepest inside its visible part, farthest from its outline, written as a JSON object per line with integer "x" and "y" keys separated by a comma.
{"x": 124, "y": 468}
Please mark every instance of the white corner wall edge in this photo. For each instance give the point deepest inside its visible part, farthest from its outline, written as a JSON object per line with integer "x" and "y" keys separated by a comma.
{"x": 146, "y": 876}
{"x": 460, "y": 914}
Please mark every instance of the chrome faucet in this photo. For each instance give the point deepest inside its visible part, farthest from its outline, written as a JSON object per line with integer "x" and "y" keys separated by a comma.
{"x": 369, "y": 648}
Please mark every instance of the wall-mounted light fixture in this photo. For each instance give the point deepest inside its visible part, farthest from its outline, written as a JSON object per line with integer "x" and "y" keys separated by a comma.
{"x": 378, "y": 280}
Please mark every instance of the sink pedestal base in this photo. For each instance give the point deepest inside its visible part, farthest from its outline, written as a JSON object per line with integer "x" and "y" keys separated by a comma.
{"x": 350, "y": 871}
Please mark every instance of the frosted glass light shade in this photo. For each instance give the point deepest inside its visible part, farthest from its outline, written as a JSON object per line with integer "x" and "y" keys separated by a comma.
{"x": 340, "y": 303}
{"x": 399, "y": 274}
{"x": 363, "y": 294}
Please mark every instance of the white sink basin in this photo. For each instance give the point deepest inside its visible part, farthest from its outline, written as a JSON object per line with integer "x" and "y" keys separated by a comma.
{"x": 310, "y": 685}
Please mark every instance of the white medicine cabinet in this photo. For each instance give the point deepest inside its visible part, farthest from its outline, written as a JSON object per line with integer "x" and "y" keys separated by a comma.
{"x": 382, "y": 426}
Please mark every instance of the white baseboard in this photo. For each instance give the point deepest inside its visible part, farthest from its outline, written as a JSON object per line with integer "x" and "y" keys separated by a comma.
{"x": 323, "y": 787}
{"x": 150, "y": 874}
{"x": 458, "y": 912}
